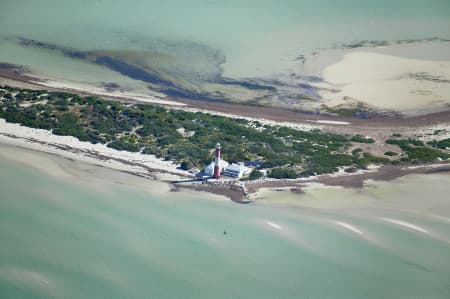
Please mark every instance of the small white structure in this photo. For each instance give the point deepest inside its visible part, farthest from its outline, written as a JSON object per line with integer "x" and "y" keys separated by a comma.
{"x": 237, "y": 171}
{"x": 209, "y": 170}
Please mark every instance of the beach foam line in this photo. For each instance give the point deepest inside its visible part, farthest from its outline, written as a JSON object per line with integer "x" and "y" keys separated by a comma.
{"x": 405, "y": 224}
{"x": 274, "y": 225}
{"x": 349, "y": 227}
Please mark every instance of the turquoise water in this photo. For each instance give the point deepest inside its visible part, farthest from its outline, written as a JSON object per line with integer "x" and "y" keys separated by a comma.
{"x": 74, "y": 239}
{"x": 199, "y": 41}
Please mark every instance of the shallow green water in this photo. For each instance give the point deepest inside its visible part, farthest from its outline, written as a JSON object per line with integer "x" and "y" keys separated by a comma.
{"x": 255, "y": 38}
{"x": 63, "y": 239}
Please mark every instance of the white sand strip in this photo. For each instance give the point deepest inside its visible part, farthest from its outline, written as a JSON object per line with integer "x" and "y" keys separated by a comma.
{"x": 330, "y": 122}
{"x": 405, "y": 224}
{"x": 349, "y": 227}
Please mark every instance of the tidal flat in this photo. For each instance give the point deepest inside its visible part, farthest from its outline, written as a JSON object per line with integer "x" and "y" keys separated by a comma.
{"x": 270, "y": 53}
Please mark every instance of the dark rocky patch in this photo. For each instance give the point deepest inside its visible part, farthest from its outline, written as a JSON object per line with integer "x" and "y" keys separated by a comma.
{"x": 9, "y": 66}
{"x": 26, "y": 42}
{"x": 382, "y": 43}
{"x": 131, "y": 71}
{"x": 110, "y": 86}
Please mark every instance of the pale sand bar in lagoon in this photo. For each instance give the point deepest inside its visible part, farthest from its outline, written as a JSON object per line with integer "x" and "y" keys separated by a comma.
{"x": 386, "y": 82}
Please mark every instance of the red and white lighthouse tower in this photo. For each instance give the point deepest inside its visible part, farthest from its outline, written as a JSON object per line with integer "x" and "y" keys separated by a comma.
{"x": 217, "y": 162}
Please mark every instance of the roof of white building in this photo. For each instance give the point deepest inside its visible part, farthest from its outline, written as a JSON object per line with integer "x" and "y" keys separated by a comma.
{"x": 237, "y": 168}
{"x": 210, "y": 168}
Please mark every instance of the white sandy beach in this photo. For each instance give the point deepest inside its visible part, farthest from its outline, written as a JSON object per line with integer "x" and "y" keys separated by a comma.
{"x": 70, "y": 147}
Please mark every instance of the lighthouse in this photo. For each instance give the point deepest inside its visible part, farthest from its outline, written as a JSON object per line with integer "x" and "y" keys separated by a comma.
{"x": 217, "y": 162}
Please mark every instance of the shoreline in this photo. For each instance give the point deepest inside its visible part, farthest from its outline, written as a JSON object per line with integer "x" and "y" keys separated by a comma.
{"x": 150, "y": 167}
{"x": 69, "y": 147}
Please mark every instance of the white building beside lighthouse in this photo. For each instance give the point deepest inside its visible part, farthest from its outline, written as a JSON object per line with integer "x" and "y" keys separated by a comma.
{"x": 209, "y": 170}
{"x": 237, "y": 171}
{"x": 218, "y": 167}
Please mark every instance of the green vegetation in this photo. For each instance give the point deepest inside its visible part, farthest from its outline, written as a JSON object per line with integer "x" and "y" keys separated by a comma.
{"x": 368, "y": 159}
{"x": 186, "y": 165}
{"x": 442, "y": 144}
{"x": 255, "y": 174}
{"x": 283, "y": 173}
{"x": 361, "y": 139}
{"x": 405, "y": 142}
{"x": 285, "y": 152}
{"x": 356, "y": 151}
{"x": 417, "y": 152}
{"x": 390, "y": 153}
{"x": 124, "y": 144}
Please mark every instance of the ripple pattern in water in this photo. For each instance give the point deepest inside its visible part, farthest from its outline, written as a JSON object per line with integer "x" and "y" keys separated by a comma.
{"x": 69, "y": 239}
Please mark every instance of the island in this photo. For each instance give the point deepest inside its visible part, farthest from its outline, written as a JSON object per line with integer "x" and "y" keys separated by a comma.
{"x": 276, "y": 154}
